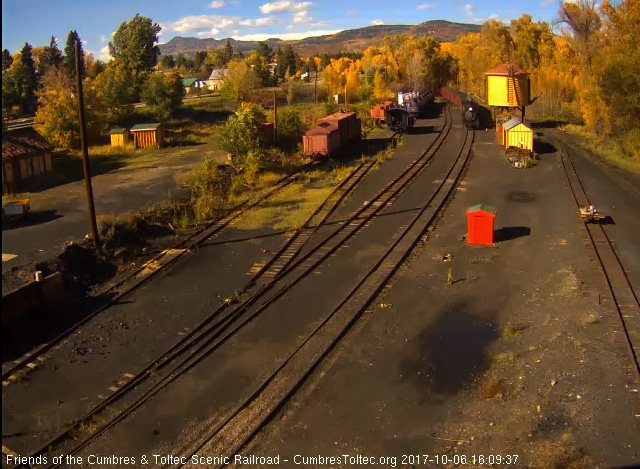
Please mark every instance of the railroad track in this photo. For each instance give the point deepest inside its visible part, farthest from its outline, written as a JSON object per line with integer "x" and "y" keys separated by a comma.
{"x": 241, "y": 425}
{"x": 623, "y": 296}
{"x": 126, "y": 285}
{"x": 219, "y": 327}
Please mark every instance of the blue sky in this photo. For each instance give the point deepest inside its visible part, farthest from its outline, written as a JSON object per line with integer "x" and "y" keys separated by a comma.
{"x": 35, "y": 21}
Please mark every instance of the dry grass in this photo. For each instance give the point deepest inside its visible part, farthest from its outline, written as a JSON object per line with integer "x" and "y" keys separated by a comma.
{"x": 609, "y": 149}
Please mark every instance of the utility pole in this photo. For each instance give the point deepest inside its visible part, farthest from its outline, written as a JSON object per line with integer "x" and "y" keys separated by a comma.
{"x": 275, "y": 117}
{"x": 85, "y": 152}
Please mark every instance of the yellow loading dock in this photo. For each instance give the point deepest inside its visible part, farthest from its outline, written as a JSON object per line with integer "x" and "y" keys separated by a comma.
{"x": 148, "y": 135}
{"x": 119, "y": 137}
{"x": 515, "y": 134}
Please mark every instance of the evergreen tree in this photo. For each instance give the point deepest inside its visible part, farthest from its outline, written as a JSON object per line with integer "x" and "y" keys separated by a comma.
{"x": 52, "y": 57}
{"x": 227, "y": 53}
{"x": 69, "y": 64}
{"x": 27, "y": 76}
{"x": 7, "y": 60}
{"x": 280, "y": 70}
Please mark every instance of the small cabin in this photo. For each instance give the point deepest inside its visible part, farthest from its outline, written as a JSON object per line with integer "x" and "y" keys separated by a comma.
{"x": 192, "y": 85}
{"x": 507, "y": 85}
{"x": 516, "y": 134}
{"x": 148, "y": 135}
{"x": 26, "y": 156}
{"x": 119, "y": 137}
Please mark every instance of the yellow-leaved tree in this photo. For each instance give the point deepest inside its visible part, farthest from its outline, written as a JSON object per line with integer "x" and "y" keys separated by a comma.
{"x": 57, "y": 116}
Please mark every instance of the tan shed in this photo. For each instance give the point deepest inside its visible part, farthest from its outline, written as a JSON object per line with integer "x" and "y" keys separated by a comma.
{"x": 148, "y": 135}
{"x": 119, "y": 137}
{"x": 515, "y": 134}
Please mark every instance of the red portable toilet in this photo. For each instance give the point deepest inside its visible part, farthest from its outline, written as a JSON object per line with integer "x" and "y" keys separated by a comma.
{"x": 480, "y": 224}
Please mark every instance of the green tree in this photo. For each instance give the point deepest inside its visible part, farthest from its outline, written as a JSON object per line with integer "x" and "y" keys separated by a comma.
{"x": 265, "y": 51}
{"x": 214, "y": 59}
{"x": 6, "y": 59}
{"x": 69, "y": 63}
{"x": 167, "y": 62}
{"x": 134, "y": 45}
{"x": 240, "y": 81}
{"x": 198, "y": 59}
{"x": 11, "y": 89}
{"x": 51, "y": 57}
{"x": 227, "y": 52}
{"x": 240, "y": 135}
{"x": 163, "y": 94}
{"x": 290, "y": 127}
{"x": 116, "y": 94}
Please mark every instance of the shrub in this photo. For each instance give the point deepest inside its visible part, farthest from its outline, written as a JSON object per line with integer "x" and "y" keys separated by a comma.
{"x": 210, "y": 188}
{"x": 330, "y": 106}
{"x": 631, "y": 144}
{"x": 290, "y": 127}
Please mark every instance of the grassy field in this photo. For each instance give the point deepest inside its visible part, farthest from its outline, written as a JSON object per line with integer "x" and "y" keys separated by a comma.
{"x": 290, "y": 208}
{"x": 609, "y": 149}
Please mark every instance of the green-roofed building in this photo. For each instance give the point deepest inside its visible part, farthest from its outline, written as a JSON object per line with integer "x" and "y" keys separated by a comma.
{"x": 192, "y": 85}
{"x": 148, "y": 135}
{"x": 119, "y": 136}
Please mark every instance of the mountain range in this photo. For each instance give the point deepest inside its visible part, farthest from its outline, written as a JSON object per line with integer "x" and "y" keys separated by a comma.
{"x": 348, "y": 40}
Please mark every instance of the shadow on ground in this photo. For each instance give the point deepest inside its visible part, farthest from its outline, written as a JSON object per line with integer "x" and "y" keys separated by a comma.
{"x": 542, "y": 147}
{"x": 450, "y": 352}
{"x": 429, "y": 129}
{"x": 510, "y": 232}
{"x": 34, "y": 218}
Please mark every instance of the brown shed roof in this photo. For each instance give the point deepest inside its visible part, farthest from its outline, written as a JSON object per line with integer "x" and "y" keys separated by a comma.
{"x": 503, "y": 69}
{"x": 23, "y": 142}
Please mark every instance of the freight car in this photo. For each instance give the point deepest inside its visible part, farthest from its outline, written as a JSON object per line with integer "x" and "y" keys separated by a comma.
{"x": 377, "y": 111}
{"x": 398, "y": 119}
{"x": 465, "y": 103}
{"x": 417, "y": 105}
{"x": 332, "y": 134}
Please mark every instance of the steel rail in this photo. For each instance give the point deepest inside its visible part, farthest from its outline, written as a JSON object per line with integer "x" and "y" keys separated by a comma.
{"x": 412, "y": 234}
{"x": 186, "y": 344}
{"x": 137, "y": 277}
{"x": 615, "y": 276}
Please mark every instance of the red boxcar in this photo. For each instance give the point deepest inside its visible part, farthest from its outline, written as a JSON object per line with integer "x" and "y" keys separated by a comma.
{"x": 321, "y": 141}
{"x": 348, "y": 126}
{"x": 452, "y": 95}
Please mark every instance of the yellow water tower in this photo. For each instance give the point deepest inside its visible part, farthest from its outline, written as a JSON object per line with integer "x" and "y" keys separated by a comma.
{"x": 507, "y": 86}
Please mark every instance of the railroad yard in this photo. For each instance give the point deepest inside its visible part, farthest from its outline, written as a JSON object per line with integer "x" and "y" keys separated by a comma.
{"x": 373, "y": 330}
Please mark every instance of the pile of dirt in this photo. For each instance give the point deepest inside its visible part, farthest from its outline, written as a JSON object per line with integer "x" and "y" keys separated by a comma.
{"x": 81, "y": 265}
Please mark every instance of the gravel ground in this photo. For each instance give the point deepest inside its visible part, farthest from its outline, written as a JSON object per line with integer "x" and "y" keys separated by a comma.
{"x": 515, "y": 358}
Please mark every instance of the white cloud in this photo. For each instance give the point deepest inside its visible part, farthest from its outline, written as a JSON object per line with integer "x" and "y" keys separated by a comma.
{"x": 196, "y": 22}
{"x": 265, "y": 21}
{"x": 377, "y": 22}
{"x": 286, "y": 36}
{"x": 213, "y": 32}
{"x": 426, "y": 6}
{"x": 104, "y": 54}
{"x": 495, "y": 16}
{"x": 216, "y": 4}
{"x": 302, "y": 16}
{"x": 468, "y": 9}
{"x": 103, "y": 38}
{"x": 284, "y": 6}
